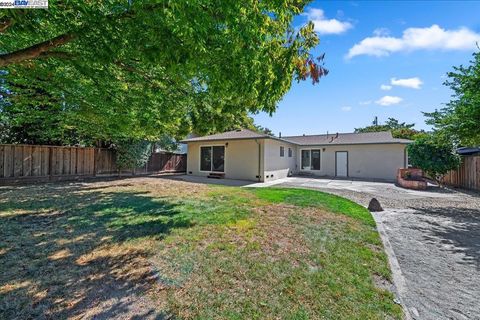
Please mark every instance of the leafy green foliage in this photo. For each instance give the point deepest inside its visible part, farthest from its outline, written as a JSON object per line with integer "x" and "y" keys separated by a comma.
{"x": 264, "y": 130}
{"x": 141, "y": 69}
{"x": 433, "y": 157}
{"x": 399, "y": 129}
{"x": 460, "y": 119}
{"x": 132, "y": 154}
{"x": 167, "y": 143}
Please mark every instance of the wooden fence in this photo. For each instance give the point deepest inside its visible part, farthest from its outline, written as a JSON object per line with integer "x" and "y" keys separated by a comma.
{"x": 167, "y": 162}
{"x": 467, "y": 176}
{"x": 18, "y": 162}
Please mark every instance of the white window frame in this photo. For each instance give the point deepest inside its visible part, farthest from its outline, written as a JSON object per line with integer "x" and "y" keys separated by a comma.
{"x": 310, "y": 158}
{"x": 282, "y": 152}
{"x": 211, "y": 162}
{"x": 290, "y": 152}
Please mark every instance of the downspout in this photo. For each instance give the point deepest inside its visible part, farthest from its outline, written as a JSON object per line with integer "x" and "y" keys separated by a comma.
{"x": 259, "y": 176}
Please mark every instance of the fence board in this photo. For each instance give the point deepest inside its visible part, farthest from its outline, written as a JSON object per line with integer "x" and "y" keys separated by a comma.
{"x": 2, "y": 161}
{"x": 45, "y": 161}
{"x": 9, "y": 160}
{"x": 18, "y": 161}
{"x": 27, "y": 161}
{"x": 467, "y": 176}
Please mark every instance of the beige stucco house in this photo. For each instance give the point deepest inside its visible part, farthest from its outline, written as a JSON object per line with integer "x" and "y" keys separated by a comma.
{"x": 248, "y": 155}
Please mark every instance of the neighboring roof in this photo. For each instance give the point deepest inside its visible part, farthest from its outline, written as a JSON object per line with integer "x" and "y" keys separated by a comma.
{"x": 322, "y": 139}
{"x": 240, "y": 134}
{"x": 347, "y": 138}
{"x": 468, "y": 151}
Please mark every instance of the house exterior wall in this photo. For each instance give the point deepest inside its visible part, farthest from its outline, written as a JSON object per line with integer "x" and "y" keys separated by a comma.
{"x": 241, "y": 158}
{"x": 277, "y": 167}
{"x": 368, "y": 161}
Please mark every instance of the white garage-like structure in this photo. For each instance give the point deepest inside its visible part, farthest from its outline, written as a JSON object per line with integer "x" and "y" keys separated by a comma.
{"x": 248, "y": 155}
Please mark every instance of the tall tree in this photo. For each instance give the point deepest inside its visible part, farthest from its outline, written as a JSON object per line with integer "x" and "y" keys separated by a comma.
{"x": 460, "y": 118}
{"x": 140, "y": 69}
{"x": 399, "y": 129}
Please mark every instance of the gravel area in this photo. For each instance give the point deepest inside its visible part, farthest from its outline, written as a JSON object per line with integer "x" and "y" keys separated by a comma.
{"x": 435, "y": 236}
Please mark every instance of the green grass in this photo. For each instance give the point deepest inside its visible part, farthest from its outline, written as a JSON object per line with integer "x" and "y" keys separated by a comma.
{"x": 196, "y": 252}
{"x": 312, "y": 198}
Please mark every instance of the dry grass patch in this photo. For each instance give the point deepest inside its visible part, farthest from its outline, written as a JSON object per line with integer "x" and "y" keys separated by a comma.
{"x": 156, "y": 248}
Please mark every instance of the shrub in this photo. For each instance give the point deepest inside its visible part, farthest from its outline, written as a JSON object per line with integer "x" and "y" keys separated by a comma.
{"x": 132, "y": 154}
{"x": 433, "y": 157}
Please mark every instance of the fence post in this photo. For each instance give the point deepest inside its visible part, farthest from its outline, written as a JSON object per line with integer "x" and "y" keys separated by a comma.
{"x": 50, "y": 160}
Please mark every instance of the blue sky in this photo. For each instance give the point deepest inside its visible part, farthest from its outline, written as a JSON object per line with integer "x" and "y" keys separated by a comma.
{"x": 405, "y": 46}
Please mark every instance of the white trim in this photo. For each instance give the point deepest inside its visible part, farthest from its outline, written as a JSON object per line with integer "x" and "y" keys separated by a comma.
{"x": 310, "y": 158}
{"x": 211, "y": 160}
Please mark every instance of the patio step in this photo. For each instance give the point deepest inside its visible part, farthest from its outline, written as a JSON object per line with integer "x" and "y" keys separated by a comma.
{"x": 216, "y": 175}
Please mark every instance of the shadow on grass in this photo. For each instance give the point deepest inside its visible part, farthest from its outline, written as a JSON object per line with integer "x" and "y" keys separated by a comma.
{"x": 63, "y": 252}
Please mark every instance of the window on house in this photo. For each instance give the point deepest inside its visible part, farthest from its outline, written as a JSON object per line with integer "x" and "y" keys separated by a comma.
{"x": 282, "y": 151}
{"x": 212, "y": 158}
{"x": 289, "y": 152}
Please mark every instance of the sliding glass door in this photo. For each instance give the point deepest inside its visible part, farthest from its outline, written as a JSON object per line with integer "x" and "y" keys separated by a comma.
{"x": 212, "y": 158}
{"x": 315, "y": 159}
{"x": 305, "y": 159}
{"x": 218, "y": 159}
{"x": 311, "y": 159}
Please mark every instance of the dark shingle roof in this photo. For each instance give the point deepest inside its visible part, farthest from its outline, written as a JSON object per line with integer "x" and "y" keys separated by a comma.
{"x": 230, "y": 135}
{"x": 322, "y": 139}
{"x": 467, "y": 151}
{"x": 346, "y": 138}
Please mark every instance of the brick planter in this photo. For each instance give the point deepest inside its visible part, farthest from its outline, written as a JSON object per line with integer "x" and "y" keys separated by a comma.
{"x": 411, "y": 179}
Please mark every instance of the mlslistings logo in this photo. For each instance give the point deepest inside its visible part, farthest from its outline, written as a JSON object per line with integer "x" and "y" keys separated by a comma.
{"x": 23, "y": 4}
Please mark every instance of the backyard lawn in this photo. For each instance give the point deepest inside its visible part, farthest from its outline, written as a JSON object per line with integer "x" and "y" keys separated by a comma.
{"x": 158, "y": 248}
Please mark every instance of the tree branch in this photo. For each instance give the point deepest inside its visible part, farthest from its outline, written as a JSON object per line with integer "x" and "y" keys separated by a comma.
{"x": 34, "y": 51}
{"x": 56, "y": 54}
{"x": 5, "y": 24}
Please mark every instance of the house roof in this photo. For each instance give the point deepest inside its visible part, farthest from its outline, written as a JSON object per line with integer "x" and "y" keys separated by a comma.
{"x": 347, "y": 138}
{"x": 322, "y": 139}
{"x": 240, "y": 134}
{"x": 468, "y": 151}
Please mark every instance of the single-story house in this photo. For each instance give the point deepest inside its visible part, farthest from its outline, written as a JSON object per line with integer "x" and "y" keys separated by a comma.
{"x": 248, "y": 155}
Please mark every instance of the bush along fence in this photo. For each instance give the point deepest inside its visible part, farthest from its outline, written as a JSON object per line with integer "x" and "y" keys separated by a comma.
{"x": 467, "y": 176}
{"x": 33, "y": 162}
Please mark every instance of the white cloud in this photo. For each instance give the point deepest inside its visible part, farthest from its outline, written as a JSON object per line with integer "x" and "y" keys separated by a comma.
{"x": 414, "y": 83}
{"x": 429, "y": 38}
{"x": 388, "y": 100}
{"x": 381, "y": 32}
{"x": 324, "y": 25}
{"x": 385, "y": 87}
{"x": 365, "y": 103}
{"x": 346, "y": 109}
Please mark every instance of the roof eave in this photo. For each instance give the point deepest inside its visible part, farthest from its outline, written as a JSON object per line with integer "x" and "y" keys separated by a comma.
{"x": 350, "y": 144}
{"x": 229, "y": 139}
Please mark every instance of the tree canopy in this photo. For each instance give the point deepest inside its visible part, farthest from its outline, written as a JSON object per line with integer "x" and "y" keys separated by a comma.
{"x": 399, "y": 129}
{"x": 459, "y": 120}
{"x": 120, "y": 69}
